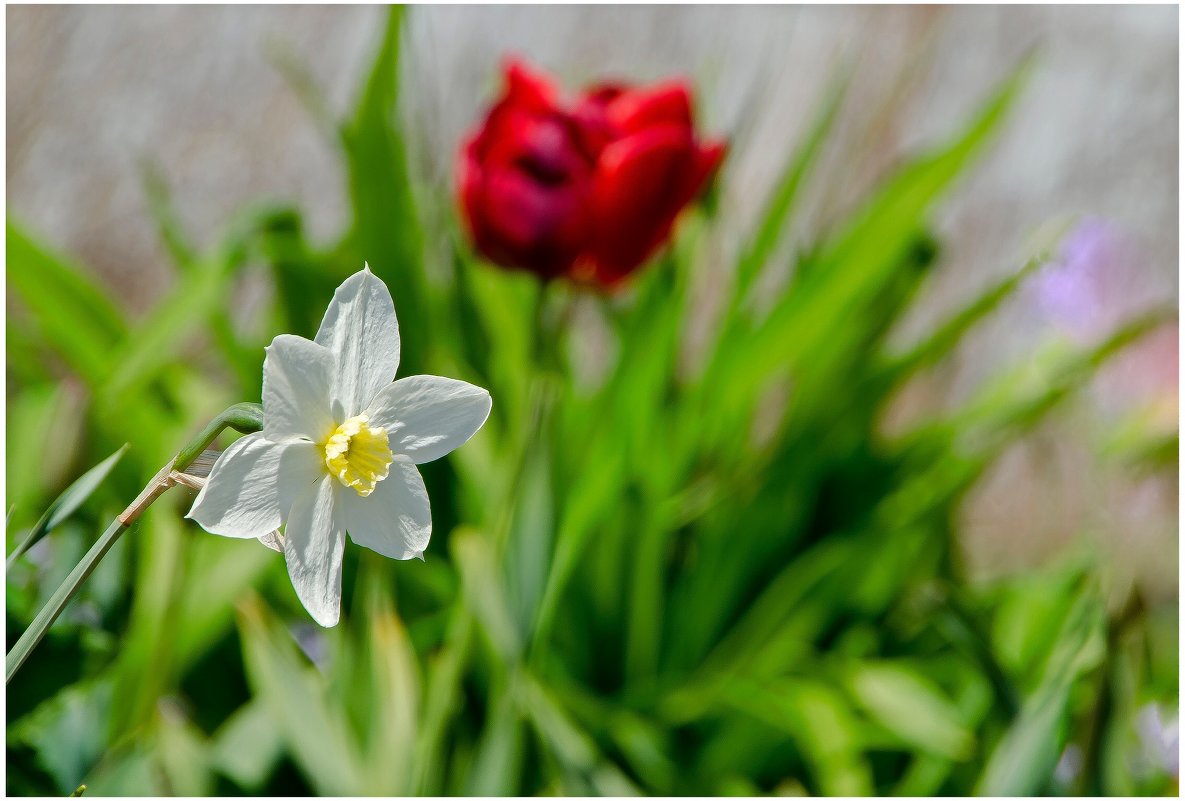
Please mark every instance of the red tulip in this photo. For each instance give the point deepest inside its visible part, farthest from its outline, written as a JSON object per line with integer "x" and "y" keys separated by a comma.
{"x": 586, "y": 190}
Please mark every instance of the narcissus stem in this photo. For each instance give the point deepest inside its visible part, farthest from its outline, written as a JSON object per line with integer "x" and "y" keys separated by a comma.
{"x": 242, "y": 417}
{"x": 49, "y": 613}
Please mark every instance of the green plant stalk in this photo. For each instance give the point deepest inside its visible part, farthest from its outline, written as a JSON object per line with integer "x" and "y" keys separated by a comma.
{"x": 242, "y": 417}
{"x": 49, "y": 613}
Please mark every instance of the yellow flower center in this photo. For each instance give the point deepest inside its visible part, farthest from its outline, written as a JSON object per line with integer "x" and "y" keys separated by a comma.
{"x": 358, "y": 455}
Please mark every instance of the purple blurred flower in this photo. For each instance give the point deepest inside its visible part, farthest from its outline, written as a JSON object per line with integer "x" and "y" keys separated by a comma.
{"x": 1083, "y": 289}
{"x": 1098, "y": 280}
{"x": 1160, "y": 737}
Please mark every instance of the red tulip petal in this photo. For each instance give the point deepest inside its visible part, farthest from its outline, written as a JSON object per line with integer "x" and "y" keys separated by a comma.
{"x": 600, "y": 95}
{"x": 547, "y": 146}
{"x": 638, "y": 189}
{"x": 530, "y": 225}
{"x": 527, "y": 87}
{"x": 707, "y": 161}
{"x": 469, "y": 175}
{"x": 666, "y": 103}
{"x": 590, "y": 117}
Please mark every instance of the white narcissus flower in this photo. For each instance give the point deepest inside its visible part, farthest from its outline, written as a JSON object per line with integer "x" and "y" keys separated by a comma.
{"x": 339, "y": 447}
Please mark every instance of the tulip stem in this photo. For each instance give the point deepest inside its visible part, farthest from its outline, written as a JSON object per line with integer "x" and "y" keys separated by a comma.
{"x": 243, "y": 417}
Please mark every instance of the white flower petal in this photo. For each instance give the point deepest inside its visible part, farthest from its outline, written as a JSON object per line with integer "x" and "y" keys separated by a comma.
{"x": 361, "y": 331}
{"x": 252, "y": 486}
{"x": 427, "y": 416}
{"x": 297, "y": 375}
{"x": 313, "y": 546}
{"x": 394, "y": 520}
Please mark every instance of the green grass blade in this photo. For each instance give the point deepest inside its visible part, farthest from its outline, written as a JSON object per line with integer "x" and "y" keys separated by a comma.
{"x": 386, "y": 231}
{"x": 948, "y": 334}
{"x": 851, "y": 273}
{"x": 783, "y": 201}
{"x": 168, "y": 224}
{"x": 67, "y": 503}
{"x": 157, "y": 341}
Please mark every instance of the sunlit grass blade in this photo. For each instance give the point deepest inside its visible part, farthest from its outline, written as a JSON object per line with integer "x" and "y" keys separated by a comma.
{"x": 391, "y": 690}
{"x": 1007, "y": 408}
{"x": 912, "y": 707}
{"x": 442, "y": 701}
{"x": 311, "y": 725}
{"x": 473, "y": 553}
{"x": 36, "y": 425}
{"x": 1023, "y": 761}
{"x": 67, "y": 503}
{"x": 247, "y": 746}
{"x": 856, "y": 265}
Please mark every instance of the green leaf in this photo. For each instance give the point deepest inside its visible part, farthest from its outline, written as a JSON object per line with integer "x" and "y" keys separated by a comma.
{"x": 183, "y": 752}
{"x": 500, "y": 749}
{"x": 393, "y": 698}
{"x": 912, "y": 708}
{"x": 586, "y": 505}
{"x": 72, "y": 313}
{"x": 129, "y": 770}
{"x": 950, "y": 333}
{"x": 1023, "y": 761}
{"x": 67, "y": 731}
{"x": 824, "y": 727}
{"x": 67, "y": 503}
{"x": 145, "y": 665}
{"x": 483, "y": 591}
{"x": 528, "y": 549}
{"x": 157, "y": 342}
{"x": 34, "y": 422}
{"x": 586, "y": 769}
{"x": 218, "y": 572}
{"x": 294, "y": 694}
{"x": 247, "y": 746}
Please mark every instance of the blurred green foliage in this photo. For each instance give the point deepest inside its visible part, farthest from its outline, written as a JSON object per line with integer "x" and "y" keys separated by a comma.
{"x": 704, "y": 575}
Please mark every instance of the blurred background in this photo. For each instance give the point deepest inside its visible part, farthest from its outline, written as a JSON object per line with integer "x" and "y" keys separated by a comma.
{"x": 93, "y": 93}
{"x": 221, "y": 108}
